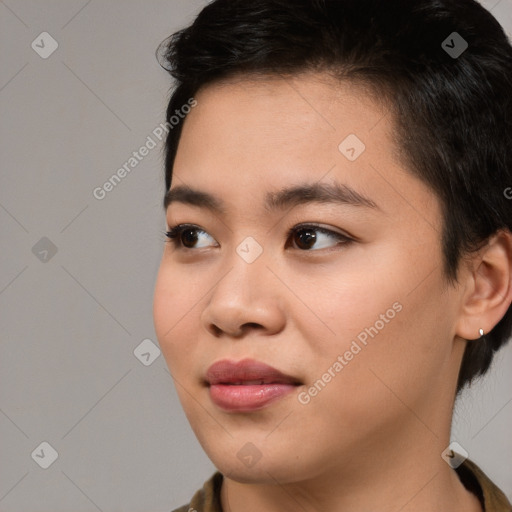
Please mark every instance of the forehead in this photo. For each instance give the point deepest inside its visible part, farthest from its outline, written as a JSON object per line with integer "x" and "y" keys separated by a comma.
{"x": 247, "y": 137}
{"x": 246, "y": 114}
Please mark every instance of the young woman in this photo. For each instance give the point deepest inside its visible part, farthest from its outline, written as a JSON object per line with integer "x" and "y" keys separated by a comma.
{"x": 339, "y": 262}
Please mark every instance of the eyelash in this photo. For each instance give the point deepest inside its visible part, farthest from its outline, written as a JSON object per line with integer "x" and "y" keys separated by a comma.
{"x": 174, "y": 235}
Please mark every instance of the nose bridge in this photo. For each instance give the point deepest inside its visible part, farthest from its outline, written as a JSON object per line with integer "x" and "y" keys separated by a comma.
{"x": 243, "y": 296}
{"x": 244, "y": 282}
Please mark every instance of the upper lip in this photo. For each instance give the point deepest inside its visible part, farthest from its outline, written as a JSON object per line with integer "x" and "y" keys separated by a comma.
{"x": 245, "y": 371}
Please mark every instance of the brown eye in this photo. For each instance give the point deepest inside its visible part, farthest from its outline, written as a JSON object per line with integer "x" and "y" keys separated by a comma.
{"x": 311, "y": 238}
{"x": 188, "y": 237}
{"x": 305, "y": 238}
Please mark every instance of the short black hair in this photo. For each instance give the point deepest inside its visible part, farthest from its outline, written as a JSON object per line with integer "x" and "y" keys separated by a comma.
{"x": 452, "y": 105}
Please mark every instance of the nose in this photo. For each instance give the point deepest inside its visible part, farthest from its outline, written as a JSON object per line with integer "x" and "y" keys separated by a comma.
{"x": 248, "y": 298}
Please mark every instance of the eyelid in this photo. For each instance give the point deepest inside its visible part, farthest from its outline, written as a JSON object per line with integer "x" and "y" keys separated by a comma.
{"x": 325, "y": 228}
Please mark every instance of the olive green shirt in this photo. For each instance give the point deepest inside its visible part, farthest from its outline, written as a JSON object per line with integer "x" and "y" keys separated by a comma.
{"x": 474, "y": 479}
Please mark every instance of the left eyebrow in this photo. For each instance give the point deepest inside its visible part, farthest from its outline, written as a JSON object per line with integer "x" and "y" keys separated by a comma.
{"x": 316, "y": 193}
{"x": 285, "y": 198}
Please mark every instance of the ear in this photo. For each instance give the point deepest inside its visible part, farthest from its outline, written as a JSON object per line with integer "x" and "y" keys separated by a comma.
{"x": 488, "y": 287}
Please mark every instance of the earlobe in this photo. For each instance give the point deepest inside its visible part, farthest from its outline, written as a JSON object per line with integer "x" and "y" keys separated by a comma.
{"x": 489, "y": 294}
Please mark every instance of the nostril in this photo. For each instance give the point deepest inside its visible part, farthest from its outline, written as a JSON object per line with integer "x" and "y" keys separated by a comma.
{"x": 252, "y": 324}
{"x": 216, "y": 330}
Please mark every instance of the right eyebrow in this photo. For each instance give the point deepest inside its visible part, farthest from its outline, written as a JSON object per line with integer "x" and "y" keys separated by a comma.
{"x": 187, "y": 195}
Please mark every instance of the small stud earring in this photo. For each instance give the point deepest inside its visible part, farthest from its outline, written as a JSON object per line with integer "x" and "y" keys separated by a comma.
{"x": 481, "y": 332}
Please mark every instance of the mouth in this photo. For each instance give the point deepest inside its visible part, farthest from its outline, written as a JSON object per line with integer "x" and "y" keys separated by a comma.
{"x": 247, "y": 385}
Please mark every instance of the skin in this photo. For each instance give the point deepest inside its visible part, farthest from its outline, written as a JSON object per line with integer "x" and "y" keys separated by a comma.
{"x": 372, "y": 438}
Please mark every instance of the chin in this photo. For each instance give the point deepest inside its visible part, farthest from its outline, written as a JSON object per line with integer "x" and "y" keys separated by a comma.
{"x": 249, "y": 466}
{"x": 246, "y": 475}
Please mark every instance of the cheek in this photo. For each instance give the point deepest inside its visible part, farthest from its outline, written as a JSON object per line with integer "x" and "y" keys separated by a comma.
{"x": 390, "y": 323}
{"x": 175, "y": 310}
{"x": 407, "y": 359}
{"x": 342, "y": 303}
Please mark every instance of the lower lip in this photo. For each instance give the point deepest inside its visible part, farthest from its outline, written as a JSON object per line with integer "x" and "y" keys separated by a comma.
{"x": 249, "y": 397}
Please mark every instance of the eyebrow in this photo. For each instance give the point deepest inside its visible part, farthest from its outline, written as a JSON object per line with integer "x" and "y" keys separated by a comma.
{"x": 275, "y": 201}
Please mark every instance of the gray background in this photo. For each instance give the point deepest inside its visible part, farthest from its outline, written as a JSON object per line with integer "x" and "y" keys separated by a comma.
{"x": 70, "y": 321}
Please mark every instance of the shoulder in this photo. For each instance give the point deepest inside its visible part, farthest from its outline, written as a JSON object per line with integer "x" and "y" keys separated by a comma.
{"x": 476, "y": 481}
{"x": 184, "y": 508}
{"x": 206, "y": 499}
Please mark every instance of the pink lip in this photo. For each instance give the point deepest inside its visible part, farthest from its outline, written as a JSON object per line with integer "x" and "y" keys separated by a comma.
{"x": 246, "y": 385}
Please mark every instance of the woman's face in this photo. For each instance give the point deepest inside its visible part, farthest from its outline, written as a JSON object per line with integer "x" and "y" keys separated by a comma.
{"x": 339, "y": 289}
